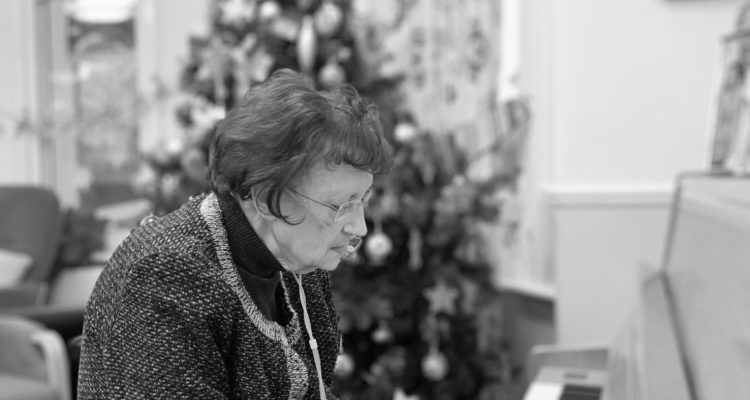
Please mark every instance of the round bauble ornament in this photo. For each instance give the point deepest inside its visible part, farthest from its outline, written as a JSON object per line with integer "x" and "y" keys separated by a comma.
{"x": 435, "y": 366}
{"x": 405, "y": 132}
{"x": 328, "y": 19}
{"x": 269, "y": 10}
{"x": 331, "y": 75}
{"x": 344, "y": 365}
{"x": 236, "y": 12}
{"x": 382, "y": 334}
{"x": 344, "y": 54}
{"x": 169, "y": 153}
{"x": 306, "y": 45}
{"x": 378, "y": 247}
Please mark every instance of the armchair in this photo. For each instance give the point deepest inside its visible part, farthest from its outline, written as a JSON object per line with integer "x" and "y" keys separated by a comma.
{"x": 34, "y": 361}
{"x": 31, "y": 225}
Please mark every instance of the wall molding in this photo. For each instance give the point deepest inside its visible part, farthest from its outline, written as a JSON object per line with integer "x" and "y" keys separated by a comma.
{"x": 608, "y": 196}
{"x": 529, "y": 288}
{"x": 557, "y": 198}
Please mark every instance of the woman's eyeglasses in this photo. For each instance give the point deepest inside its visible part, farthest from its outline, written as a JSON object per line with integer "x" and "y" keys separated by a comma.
{"x": 343, "y": 211}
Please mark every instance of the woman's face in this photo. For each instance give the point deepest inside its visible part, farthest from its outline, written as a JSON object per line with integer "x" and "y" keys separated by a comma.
{"x": 321, "y": 239}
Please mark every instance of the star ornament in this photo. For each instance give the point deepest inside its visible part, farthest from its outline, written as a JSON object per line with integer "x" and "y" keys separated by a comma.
{"x": 442, "y": 298}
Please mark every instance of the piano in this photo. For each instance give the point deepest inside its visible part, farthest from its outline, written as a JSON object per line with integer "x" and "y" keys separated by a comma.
{"x": 689, "y": 335}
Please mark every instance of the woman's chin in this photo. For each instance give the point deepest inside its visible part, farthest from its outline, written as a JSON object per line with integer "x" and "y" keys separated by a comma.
{"x": 331, "y": 262}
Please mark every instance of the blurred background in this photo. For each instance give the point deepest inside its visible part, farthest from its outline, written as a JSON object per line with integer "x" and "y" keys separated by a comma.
{"x": 538, "y": 148}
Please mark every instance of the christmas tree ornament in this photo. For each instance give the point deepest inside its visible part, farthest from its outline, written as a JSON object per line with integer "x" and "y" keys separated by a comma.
{"x": 434, "y": 365}
{"x": 169, "y": 152}
{"x": 378, "y": 247}
{"x": 415, "y": 249}
{"x": 269, "y": 10}
{"x": 405, "y": 132}
{"x": 205, "y": 115}
{"x": 328, "y": 19}
{"x": 306, "y": 45}
{"x": 344, "y": 54}
{"x": 382, "y": 334}
{"x": 344, "y": 365}
{"x": 258, "y": 65}
{"x": 286, "y": 27}
{"x": 331, "y": 75}
{"x": 245, "y": 47}
{"x": 399, "y": 394}
{"x": 236, "y": 12}
{"x": 442, "y": 298}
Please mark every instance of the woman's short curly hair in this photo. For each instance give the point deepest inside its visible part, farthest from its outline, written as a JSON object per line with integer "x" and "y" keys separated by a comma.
{"x": 282, "y": 127}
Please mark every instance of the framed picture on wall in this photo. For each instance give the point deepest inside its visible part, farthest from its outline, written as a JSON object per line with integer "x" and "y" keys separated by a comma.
{"x": 729, "y": 148}
{"x": 730, "y": 126}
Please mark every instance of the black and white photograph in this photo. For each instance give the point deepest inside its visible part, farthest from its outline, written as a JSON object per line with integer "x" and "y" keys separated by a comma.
{"x": 374, "y": 199}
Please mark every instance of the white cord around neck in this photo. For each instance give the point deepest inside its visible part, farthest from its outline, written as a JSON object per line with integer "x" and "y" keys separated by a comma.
{"x": 313, "y": 342}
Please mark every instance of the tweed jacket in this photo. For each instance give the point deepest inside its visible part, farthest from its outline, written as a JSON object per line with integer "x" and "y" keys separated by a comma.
{"x": 169, "y": 318}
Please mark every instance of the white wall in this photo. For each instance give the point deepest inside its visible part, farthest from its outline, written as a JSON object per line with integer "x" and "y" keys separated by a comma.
{"x": 620, "y": 91}
{"x": 20, "y": 153}
{"x": 633, "y": 79}
{"x": 165, "y": 27}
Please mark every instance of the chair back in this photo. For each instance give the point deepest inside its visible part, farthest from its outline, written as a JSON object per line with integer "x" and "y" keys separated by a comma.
{"x": 34, "y": 362}
{"x": 31, "y": 223}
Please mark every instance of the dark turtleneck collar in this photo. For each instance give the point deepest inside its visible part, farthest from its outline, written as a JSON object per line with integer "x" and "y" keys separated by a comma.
{"x": 258, "y": 268}
{"x": 248, "y": 251}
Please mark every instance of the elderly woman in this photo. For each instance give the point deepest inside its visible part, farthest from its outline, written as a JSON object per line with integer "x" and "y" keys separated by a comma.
{"x": 229, "y": 296}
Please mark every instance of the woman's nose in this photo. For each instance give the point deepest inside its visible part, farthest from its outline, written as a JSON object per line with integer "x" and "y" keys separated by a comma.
{"x": 357, "y": 225}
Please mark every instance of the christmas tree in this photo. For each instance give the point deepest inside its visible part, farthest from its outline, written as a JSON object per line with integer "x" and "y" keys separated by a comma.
{"x": 420, "y": 316}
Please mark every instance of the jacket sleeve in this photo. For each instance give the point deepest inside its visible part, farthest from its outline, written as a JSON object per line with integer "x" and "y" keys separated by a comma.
{"x": 162, "y": 343}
